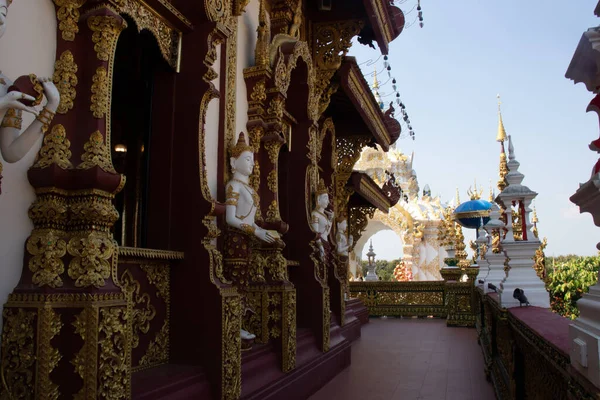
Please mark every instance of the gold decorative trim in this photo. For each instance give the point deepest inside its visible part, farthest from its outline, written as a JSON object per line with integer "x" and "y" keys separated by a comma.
{"x": 273, "y": 147}
{"x": 146, "y": 18}
{"x": 63, "y": 300}
{"x": 114, "y": 371}
{"x": 142, "y": 309}
{"x": 272, "y": 181}
{"x": 106, "y": 30}
{"x": 68, "y": 17}
{"x": 65, "y": 79}
{"x": 96, "y": 153}
{"x": 18, "y": 352}
{"x": 91, "y": 253}
{"x": 326, "y": 319}
{"x": 231, "y": 356}
{"x": 366, "y": 103}
{"x": 47, "y": 249}
{"x": 85, "y": 361}
{"x": 150, "y": 253}
{"x": 55, "y": 150}
{"x": 158, "y": 349}
{"x": 49, "y": 325}
{"x": 100, "y": 99}
{"x": 289, "y": 331}
{"x": 273, "y": 212}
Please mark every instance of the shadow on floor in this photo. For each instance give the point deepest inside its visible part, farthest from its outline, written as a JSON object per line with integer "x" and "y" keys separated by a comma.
{"x": 412, "y": 359}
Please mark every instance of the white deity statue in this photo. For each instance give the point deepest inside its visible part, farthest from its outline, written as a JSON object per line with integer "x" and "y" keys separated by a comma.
{"x": 242, "y": 200}
{"x": 343, "y": 241}
{"x": 321, "y": 219}
{"x": 14, "y": 145}
{"x": 240, "y": 210}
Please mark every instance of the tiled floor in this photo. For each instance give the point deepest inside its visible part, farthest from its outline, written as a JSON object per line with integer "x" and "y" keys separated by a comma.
{"x": 405, "y": 359}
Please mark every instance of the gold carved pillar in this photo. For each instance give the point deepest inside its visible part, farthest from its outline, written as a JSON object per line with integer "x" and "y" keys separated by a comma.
{"x": 67, "y": 329}
{"x": 271, "y": 296}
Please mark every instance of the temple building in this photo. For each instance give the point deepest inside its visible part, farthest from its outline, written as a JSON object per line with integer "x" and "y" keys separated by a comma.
{"x": 416, "y": 217}
{"x": 176, "y": 207}
{"x": 185, "y": 187}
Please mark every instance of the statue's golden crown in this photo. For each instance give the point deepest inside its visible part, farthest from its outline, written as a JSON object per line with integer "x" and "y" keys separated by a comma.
{"x": 240, "y": 146}
{"x": 321, "y": 188}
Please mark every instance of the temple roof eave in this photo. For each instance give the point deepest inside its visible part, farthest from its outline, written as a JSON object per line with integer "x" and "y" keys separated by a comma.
{"x": 383, "y": 23}
{"x": 585, "y": 64}
{"x": 367, "y": 193}
{"x": 355, "y": 96}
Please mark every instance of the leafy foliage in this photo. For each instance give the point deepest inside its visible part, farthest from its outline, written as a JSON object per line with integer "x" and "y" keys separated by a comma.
{"x": 569, "y": 277}
{"x": 383, "y": 268}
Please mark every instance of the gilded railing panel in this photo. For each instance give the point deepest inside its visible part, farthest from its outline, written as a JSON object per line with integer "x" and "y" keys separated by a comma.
{"x": 402, "y": 298}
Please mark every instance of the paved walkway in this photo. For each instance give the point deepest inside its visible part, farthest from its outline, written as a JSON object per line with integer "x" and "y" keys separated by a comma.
{"x": 404, "y": 359}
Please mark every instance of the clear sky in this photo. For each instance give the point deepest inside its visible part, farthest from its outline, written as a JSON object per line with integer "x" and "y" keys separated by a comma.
{"x": 449, "y": 73}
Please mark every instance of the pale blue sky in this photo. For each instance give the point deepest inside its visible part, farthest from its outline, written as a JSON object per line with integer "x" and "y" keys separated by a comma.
{"x": 449, "y": 73}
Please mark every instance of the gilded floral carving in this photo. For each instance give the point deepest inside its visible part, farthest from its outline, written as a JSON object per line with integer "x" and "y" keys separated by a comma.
{"x": 259, "y": 92}
{"x": 158, "y": 275}
{"x": 273, "y": 147}
{"x": 48, "y": 211}
{"x": 91, "y": 253}
{"x": 289, "y": 328}
{"x": 48, "y": 355}
{"x": 65, "y": 79}
{"x": 114, "y": 348}
{"x": 272, "y": 181}
{"x": 276, "y": 107}
{"x": 84, "y": 362}
{"x": 106, "y": 30}
{"x": 158, "y": 349}
{"x": 96, "y": 153}
{"x": 168, "y": 39}
{"x": 273, "y": 212}
{"x": 100, "y": 99}
{"x": 17, "y": 366}
{"x": 46, "y": 248}
{"x": 326, "y": 319}
{"x": 143, "y": 311}
{"x": 68, "y": 17}
{"x": 55, "y": 150}
{"x": 231, "y": 381}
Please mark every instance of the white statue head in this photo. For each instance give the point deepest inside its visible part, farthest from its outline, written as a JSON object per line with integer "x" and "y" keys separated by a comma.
{"x": 242, "y": 156}
{"x": 3, "y": 13}
{"x": 342, "y": 225}
{"x": 322, "y": 195}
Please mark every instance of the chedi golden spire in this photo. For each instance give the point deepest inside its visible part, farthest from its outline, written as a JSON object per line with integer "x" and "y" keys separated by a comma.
{"x": 501, "y": 137}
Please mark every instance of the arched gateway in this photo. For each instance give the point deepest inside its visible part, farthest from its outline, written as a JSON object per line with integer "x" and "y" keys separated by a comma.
{"x": 415, "y": 219}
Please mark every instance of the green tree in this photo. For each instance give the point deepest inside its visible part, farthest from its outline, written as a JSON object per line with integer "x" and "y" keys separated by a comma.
{"x": 569, "y": 277}
{"x": 383, "y": 268}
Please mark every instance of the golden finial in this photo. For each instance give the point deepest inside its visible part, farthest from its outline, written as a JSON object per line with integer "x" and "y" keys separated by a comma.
{"x": 375, "y": 81}
{"x": 501, "y": 132}
{"x": 261, "y": 51}
{"x": 240, "y": 147}
{"x": 475, "y": 194}
{"x": 534, "y": 218}
{"x": 321, "y": 188}
{"x": 491, "y": 192}
{"x": 457, "y": 198}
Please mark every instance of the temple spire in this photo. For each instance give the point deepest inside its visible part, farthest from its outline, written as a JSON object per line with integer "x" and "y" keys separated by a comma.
{"x": 501, "y": 137}
{"x": 376, "y": 90}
